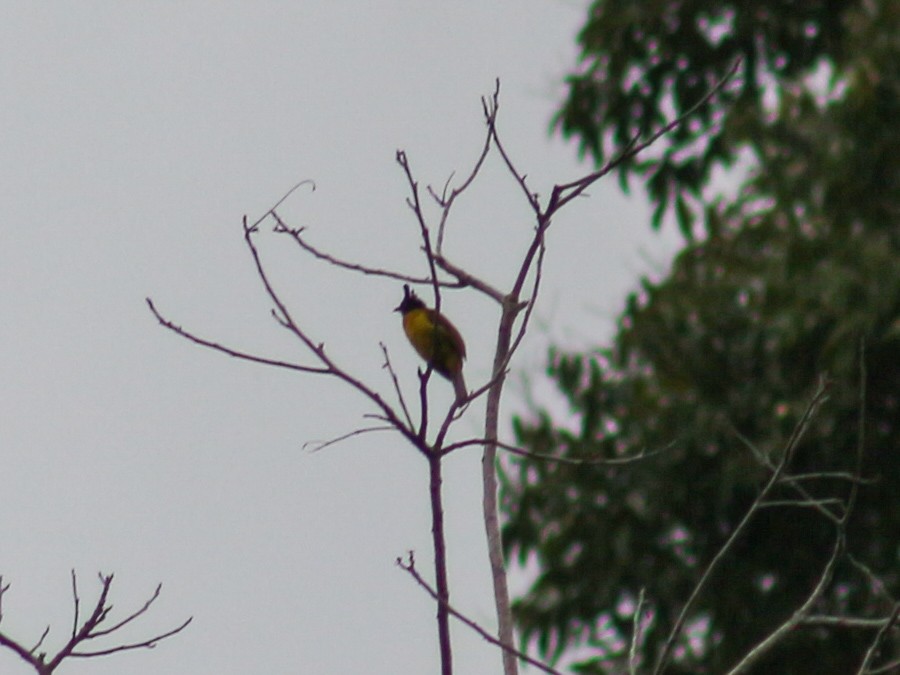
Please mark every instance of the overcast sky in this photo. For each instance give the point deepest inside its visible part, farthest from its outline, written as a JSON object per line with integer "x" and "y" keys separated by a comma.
{"x": 134, "y": 137}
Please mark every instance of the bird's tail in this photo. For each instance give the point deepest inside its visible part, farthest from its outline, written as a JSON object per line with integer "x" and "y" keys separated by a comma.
{"x": 459, "y": 386}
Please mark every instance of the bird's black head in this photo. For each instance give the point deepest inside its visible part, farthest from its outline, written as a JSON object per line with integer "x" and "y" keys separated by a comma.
{"x": 410, "y": 301}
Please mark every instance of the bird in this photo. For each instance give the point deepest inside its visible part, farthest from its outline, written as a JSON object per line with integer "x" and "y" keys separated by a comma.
{"x": 435, "y": 339}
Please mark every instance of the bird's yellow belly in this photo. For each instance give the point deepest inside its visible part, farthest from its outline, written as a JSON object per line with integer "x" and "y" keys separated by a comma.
{"x": 431, "y": 343}
{"x": 420, "y": 331}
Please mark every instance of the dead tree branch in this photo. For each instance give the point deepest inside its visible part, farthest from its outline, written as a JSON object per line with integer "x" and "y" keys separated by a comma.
{"x": 409, "y": 566}
{"x": 92, "y": 628}
{"x": 786, "y": 456}
{"x": 517, "y": 306}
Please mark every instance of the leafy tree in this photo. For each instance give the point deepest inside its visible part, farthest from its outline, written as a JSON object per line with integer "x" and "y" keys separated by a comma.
{"x": 714, "y": 365}
{"x": 642, "y": 58}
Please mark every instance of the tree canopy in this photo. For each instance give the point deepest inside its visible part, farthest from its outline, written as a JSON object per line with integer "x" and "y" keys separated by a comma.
{"x": 717, "y": 361}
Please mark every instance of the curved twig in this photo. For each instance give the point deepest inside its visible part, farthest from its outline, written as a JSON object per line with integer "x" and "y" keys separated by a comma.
{"x": 410, "y": 567}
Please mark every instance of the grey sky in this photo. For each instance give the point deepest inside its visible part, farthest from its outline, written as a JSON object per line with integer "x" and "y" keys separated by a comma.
{"x": 134, "y": 138}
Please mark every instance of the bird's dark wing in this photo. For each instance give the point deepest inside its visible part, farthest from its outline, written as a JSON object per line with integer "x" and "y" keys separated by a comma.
{"x": 443, "y": 325}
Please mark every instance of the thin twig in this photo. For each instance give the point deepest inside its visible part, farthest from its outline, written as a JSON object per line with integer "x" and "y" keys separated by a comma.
{"x": 801, "y": 615}
{"x": 491, "y": 107}
{"x": 316, "y": 446}
{"x": 817, "y": 504}
{"x": 3, "y": 589}
{"x": 532, "y": 301}
{"x": 446, "y": 202}
{"x": 424, "y": 378}
{"x": 796, "y": 435}
{"x": 144, "y": 644}
{"x": 889, "y": 668}
{"x": 330, "y": 367}
{"x": 796, "y": 618}
{"x": 390, "y": 368}
{"x": 635, "y": 634}
{"x": 877, "y": 584}
{"x": 563, "y": 194}
{"x": 89, "y": 629}
{"x": 416, "y": 206}
{"x": 829, "y": 475}
{"x": 410, "y": 567}
{"x": 75, "y": 587}
{"x": 281, "y": 201}
{"x": 101, "y": 610}
{"x": 466, "y": 279}
{"x": 246, "y": 356}
{"x": 297, "y": 235}
{"x": 40, "y": 641}
{"x": 130, "y": 617}
{"x": 857, "y": 622}
{"x": 574, "y": 461}
{"x": 787, "y": 478}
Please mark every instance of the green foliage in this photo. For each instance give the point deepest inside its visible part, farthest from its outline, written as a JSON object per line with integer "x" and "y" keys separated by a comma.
{"x": 782, "y": 287}
{"x": 645, "y": 61}
{"x": 711, "y": 352}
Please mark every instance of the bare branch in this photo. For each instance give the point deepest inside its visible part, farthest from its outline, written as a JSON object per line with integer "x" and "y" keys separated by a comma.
{"x": 532, "y": 302}
{"x": 82, "y": 633}
{"x": 574, "y": 461}
{"x": 886, "y": 669}
{"x": 469, "y": 280}
{"x": 877, "y": 584}
{"x": 297, "y": 235}
{"x": 857, "y": 622}
{"x": 316, "y": 446}
{"x": 446, "y": 201}
{"x": 796, "y": 435}
{"x": 396, "y": 381}
{"x": 131, "y": 617}
{"x": 144, "y": 644}
{"x": 410, "y": 567}
{"x": 40, "y": 641}
{"x": 491, "y": 107}
{"x": 88, "y": 630}
{"x": 246, "y": 356}
{"x": 503, "y": 351}
{"x": 801, "y": 615}
{"x": 416, "y": 206}
{"x": 829, "y": 475}
{"x": 797, "y": 617}
{"x": 818, "y": 504}
{"x": 23, "y": 653}
{"x": 281, "y": 201}
{"x": 455, "y": 412}
{"x": 635, "y": 634}
{"x": 424, "y": 377}
{"x": 318, "y": 349}
{"x": 510, "y": 334}
{"x": 563, "y": 194}
{"x": 75, "y": 598}
{"x": 788, "y": 479}
{"x": 3, "y": 589}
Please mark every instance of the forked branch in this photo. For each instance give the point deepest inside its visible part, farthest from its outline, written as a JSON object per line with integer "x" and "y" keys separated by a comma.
{"x": 409, "y": 566}
{"x": 516, "y": 306}
{"x": 83, "y": 632}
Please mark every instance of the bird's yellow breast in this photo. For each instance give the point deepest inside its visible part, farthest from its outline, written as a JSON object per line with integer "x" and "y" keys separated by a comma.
{"x": 435, "y": 340}
{"x": 420, "y": 330}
